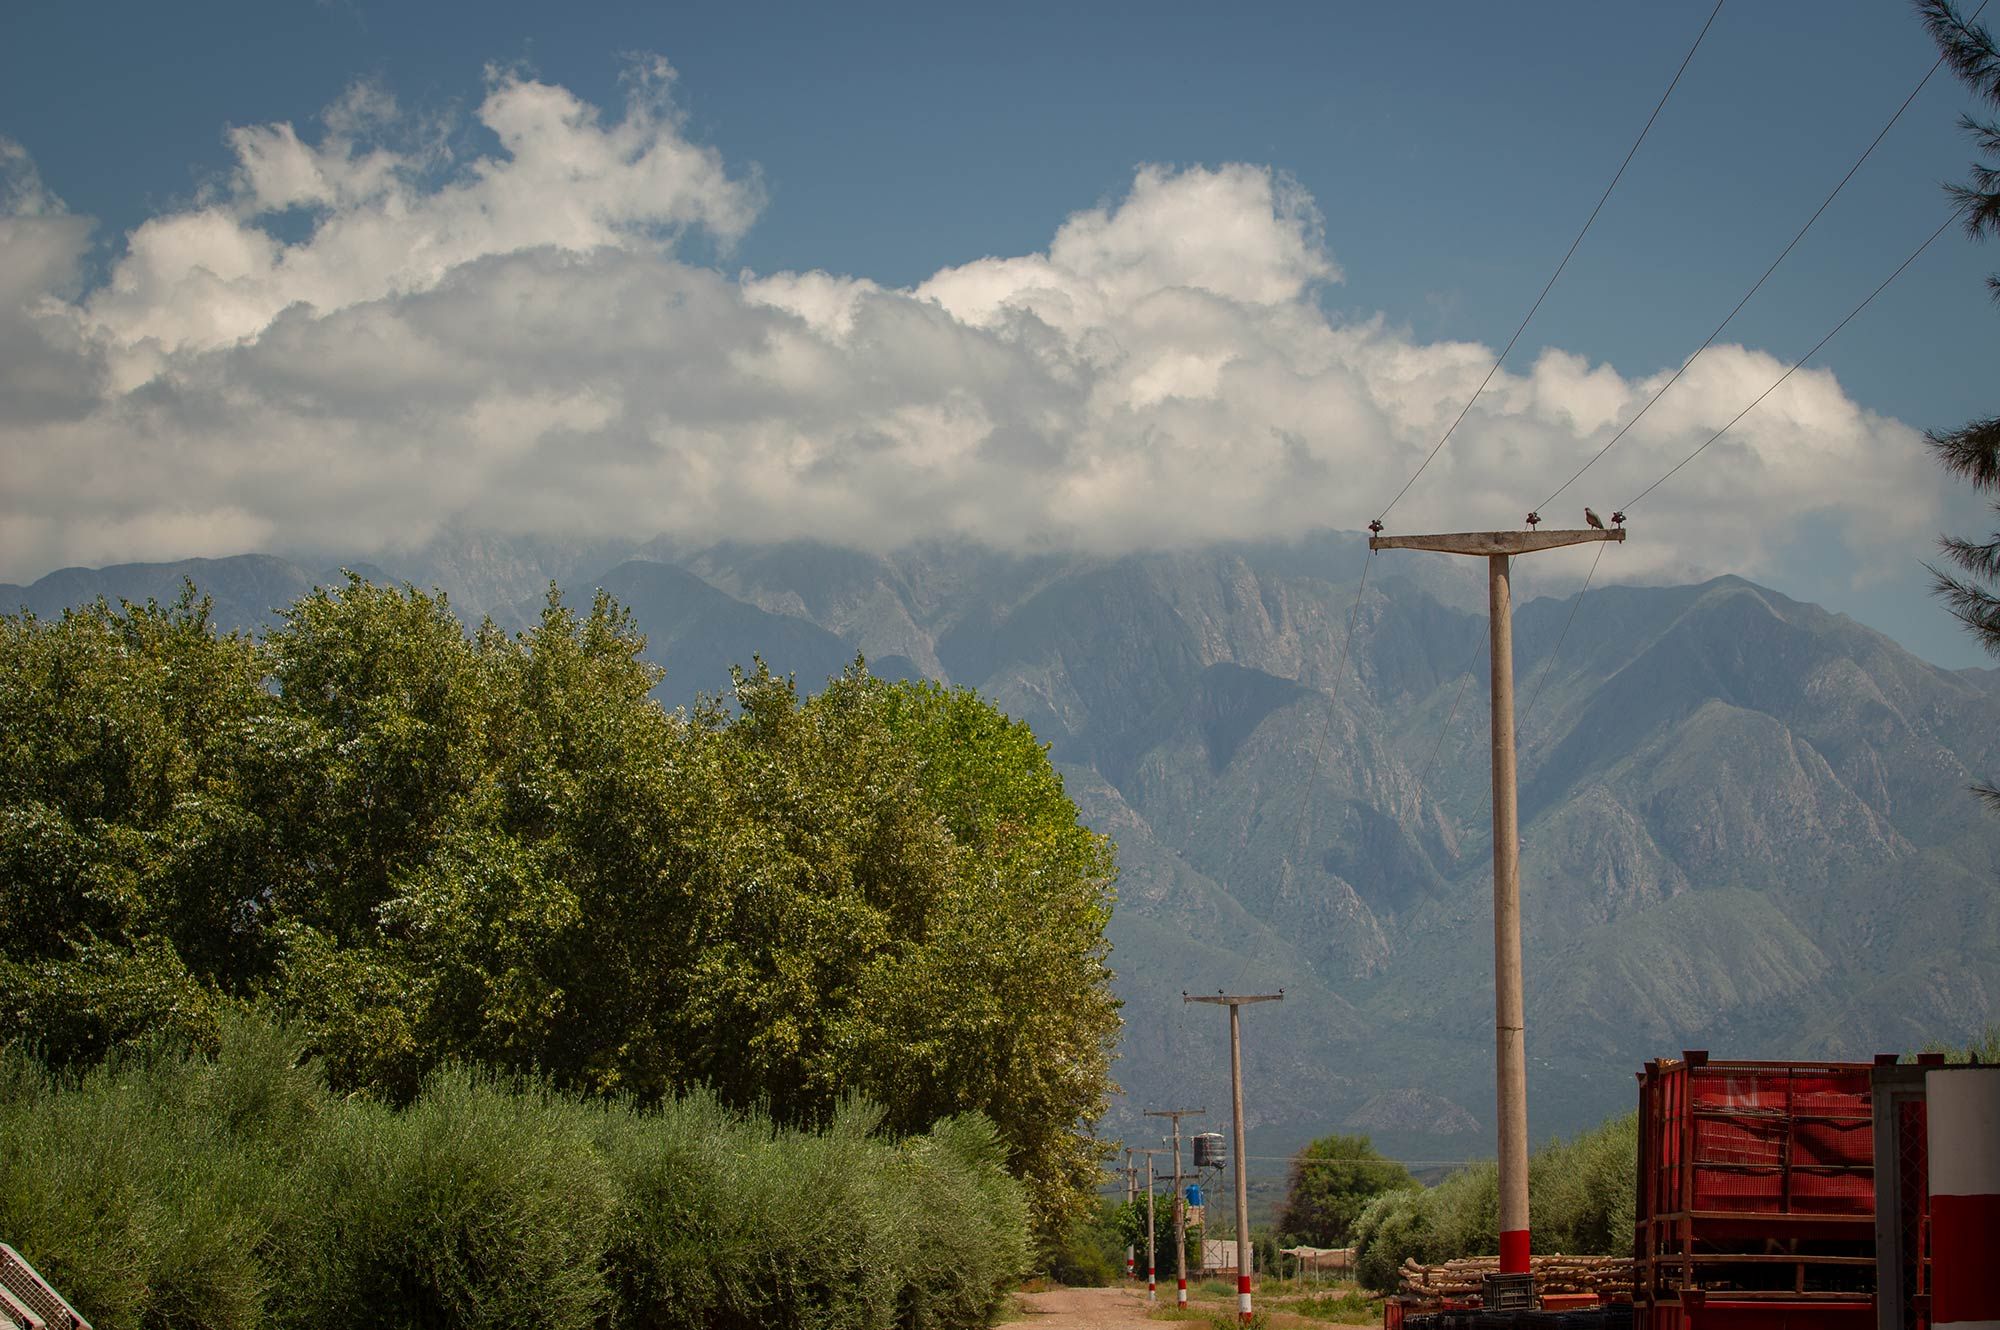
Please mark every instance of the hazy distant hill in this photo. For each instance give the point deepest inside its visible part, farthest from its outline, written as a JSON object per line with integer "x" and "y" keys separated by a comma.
{"x": 248, "y": 589}
{"x": 1746, "y": 821}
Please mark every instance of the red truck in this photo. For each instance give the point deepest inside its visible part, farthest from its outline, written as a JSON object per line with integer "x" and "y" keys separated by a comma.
{"x": 1757, "y": 1195}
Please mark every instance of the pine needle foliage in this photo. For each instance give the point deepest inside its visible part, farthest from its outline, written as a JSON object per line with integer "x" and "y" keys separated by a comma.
{"x": 1971, "y": 568}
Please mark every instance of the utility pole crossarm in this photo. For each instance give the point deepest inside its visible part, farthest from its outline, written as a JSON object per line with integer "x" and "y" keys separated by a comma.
{"x": 1495, "y": 542}
{"x": 1235, "y": 999}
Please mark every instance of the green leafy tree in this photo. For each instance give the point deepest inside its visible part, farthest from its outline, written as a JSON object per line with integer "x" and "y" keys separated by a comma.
{"x": 1131, "y": 1228}
{"x": 375, "y": 751}
{"x": 1330, "y": 1182}
{"x": 128, "y": 854}
{"x": 427, "y": 846}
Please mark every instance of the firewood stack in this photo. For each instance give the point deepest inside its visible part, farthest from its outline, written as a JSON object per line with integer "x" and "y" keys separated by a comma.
{"x": 1611, "y": 1275}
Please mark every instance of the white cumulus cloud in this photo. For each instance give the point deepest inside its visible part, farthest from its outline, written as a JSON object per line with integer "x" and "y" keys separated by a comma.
{"x": 513, "y": 343}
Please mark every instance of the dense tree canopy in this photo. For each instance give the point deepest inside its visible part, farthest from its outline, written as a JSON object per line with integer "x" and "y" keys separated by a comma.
{"x": 1330, "y": 1183}
{"x": 427, "y": 845}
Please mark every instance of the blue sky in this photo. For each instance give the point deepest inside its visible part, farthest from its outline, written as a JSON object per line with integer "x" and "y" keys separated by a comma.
{"x": 1444, "y": 156}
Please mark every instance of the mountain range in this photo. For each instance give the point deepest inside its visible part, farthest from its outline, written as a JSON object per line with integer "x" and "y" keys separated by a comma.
{"x": 1747, "y": 822}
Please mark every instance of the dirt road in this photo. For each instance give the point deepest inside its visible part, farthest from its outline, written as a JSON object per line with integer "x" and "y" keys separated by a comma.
{"x": 1117, "y": 1308}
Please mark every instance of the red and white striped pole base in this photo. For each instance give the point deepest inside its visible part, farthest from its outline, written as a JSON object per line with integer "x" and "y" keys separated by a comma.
{"x": 1131, "y": 1270}
{"x": 1243, "y": 1298}
{"x": 1180, "y": 1295}
{"x": 1514, "y": 1252}
{"x": 1152, "y": 1286}
{"x": 1962, "y": 1110}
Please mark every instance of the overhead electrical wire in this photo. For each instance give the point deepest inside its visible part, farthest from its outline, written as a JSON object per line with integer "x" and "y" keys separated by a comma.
{"x": 1795, "y": 365}
{"x": 1315, "y": 1162}
{"x": 1313, "y": 771}
{"x": 1464, "y": 678}
{"x": 1340, "y": 670}
{"x": 1756, "y": 285}
{"x": 1556, "y": 650}
{"x": 1710, "y": 339}
{"x": 1550, "y": 284}
{"x": 1549, "y": 664}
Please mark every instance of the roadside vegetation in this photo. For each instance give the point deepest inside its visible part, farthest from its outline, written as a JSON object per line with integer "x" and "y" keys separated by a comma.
{"x": 234, "y": 1190}
{"x": 1984, "y": 1048}
{"x": 485, "y": 875}
{"x": 1582, "y": 1201}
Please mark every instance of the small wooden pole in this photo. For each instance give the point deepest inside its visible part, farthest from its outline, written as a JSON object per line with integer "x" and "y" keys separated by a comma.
{"x": 1179, "y": 1202}
{"x": 1152, "y": 1264}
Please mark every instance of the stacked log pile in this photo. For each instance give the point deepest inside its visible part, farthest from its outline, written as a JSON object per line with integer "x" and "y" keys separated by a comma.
{"x": 1607, "y": 1275}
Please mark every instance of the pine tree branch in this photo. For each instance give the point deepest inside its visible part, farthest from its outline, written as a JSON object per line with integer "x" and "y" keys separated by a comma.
{"x": 1981, "y": 561}
{"x": 1971, "y": 452}
{"x": 1985, "y": 133}
{"x": 1973, "y": 606}
{"x": 1969, "y": 49}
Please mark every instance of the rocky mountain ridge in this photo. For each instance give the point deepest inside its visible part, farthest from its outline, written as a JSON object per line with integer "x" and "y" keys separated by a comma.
{"x": 1746, "y": 821}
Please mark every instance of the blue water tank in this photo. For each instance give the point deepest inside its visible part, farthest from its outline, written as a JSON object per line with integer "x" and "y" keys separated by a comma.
{"x": 1194, "y": 1193}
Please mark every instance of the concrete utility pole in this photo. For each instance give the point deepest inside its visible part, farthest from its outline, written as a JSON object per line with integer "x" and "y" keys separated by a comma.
{"x": 1180, "y": 1201}
{"x": 1152, "y": 1263}
{"x": 1510, "y": 1046}
{"x": 1131, "y": 1196}
{"x": 1235, "y": 1004}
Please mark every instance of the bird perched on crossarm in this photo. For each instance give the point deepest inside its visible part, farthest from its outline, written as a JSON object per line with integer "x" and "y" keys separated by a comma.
{"x": 1593, "y": 519}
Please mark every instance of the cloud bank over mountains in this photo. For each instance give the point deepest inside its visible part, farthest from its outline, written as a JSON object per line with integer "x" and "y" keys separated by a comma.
{"x": 363, "y": 335}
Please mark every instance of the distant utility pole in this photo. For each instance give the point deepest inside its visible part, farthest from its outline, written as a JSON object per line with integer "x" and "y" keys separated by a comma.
{"x": 1131, "y": 1197}
{"x": 1152, "y": 1264}
{"x": 1510, "y": 1046}
{"x": 1180, "y": 1201}
{"x": 1235, "y": 1003}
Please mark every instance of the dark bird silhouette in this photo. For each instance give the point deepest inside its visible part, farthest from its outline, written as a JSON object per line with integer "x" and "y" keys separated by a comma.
{"x": 1593, "y": 519}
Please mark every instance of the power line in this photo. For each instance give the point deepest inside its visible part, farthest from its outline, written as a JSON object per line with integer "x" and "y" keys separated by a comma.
{"x": 1800, "y": 361}
{"x": 1333, "y": 693}
{"x": 1465, "y": 677}
{"x": 1549, "y": 664}
{"x": 1335, "y": 1163}
{"x": 1550, "y": 285}
{"x": 1756, "y": 285}
{"x": 1312, "y": 773}
{"x": 1370, "y": 1163}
